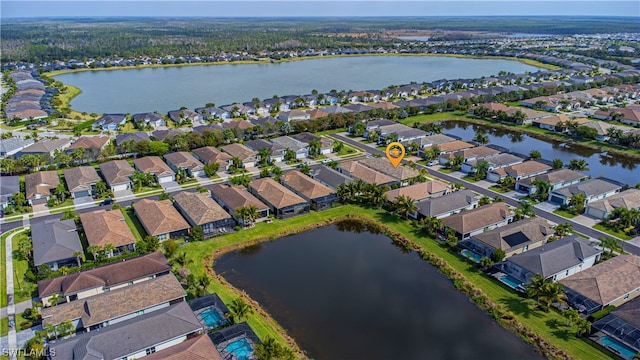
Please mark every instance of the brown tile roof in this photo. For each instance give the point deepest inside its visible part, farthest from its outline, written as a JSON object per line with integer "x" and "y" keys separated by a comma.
{"x": 200, "y": 207}
{"x": 40, "y": 183}
{"x": 183, "y": 159}
{"x": 418, "y": 191}
{"x": 159, "y": 217}
{"x": 628, "y": 199}
{"x": 239, "y": 150}
{"x": 534, "y": 229}
{"x": 81, "y": 178}
{"x": 317, "y": 113}
{"x": 365, "y": 174}
{"x": 454, "y": 146}
{"x": 496, "y": 107}
{"x": 107, "y": 275}
{"x": 153, "y": 165}
{"x": 467, "y": 221}
{"x": 384, "y": 105}
{"x": 46, "y": 146}
{"x": 237, "y": 196}
{"x": 88, "y": 142}
{"x": 275, "y": 194}
{"x": 607, "y": 281}
{"x": 199, "y": 348}
{"x": 106, "y": 227}
{"x": 556, "y": 177}
{"x": 478, "y": 151}
{"x": 384, "y": 166}
{"x": 209, "y": 155}
{"x": 527, "y": 167}
{"x": 113, "y": 304}
{"x": 554, "y": 120}
{"x": 305, "y": 186}
{"x": 116, "y": 171}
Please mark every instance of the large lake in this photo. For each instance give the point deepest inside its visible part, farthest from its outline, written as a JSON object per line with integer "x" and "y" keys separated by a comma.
{"x": 168, "y": 88}
{"x": 345, "y": 294}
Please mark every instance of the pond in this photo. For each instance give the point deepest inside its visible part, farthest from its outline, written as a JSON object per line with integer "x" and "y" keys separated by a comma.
{"x": 169, "y": 88}
{"x": 616, "y": 167}
{"x": 344, "y": 292}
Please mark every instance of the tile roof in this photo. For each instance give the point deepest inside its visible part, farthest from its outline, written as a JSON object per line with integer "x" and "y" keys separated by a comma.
{"x": 498, "y": 160}
{"x": 183, "y": 159}
{"x": 12, "y": 144}
{"x": 590, "y": 187}
{"x": 517, "y": 234}
{"x": 629, "y": 313}
{"x": 106, "y": 227}
{"x": 153, "y": 165}
{"x": 289, "y": 143}
{"x": 467, "y": 221}
{"x": 210, "y": 154}
{"x": 108, "y": 275}
{"x": 418, "y": 191}
{"x": 199, "y": 207}
{"x": 365, "y": 173}
{"x": 527, "y": 167}
{"x": 384, "y": 166}
{"x": 628, "y": 199}
{"x": 135, "y": 137}
{"x": 435, "y": 139}
{"x": 556, "y": 177}
{"x": 304, "y": 185}
{"x": 159, "y": 217}
{"x": 130, "y": 336}
{"x": 329, "y": 176}
{"x": 557, "y": 256}
{"x": 608, "y": 280}
{"x": 199, "y": 348}
{"x": 116, "y": 171}
{"x": 46, "y": 146}
{"x": 236, "y": 196}
{"x": 275, "y": 194}
{"x": 9, "y": 185}
{"x": 113, "y": 304}
{"x": 454, "y": 146}
{"x": 239, "y": 150}
{"x": 447, "y": 203}
{"x": 478, "y": 151}
{"x": 81, "y": 178}
{"x": 88, "y": 142}
{"x": 54, "y": 240}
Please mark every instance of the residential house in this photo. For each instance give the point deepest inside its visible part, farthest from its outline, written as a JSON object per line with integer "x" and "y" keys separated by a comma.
{"x": 294, "y": 115}
{"x": 514, "y": 238}
{"x": 593, "y": 189}
{"x": 183, "y": 161}
{"x": 134, "y": 138}
{"x": 180, "y": 116}
{"x": 449, "y": 204}
{"x": 11, "y": 146}
{"x": 231, "y": 198}
{"x": 358, "y": 108}
{"x": 201, "y": 210}
{"x": 103, "y": 227}
{"x": 81, "y": 180}
{"x": 420, "y": 191}
{"x": 282, "y": 201}
{"x": 212, "y": 113}
{"x": 117, "y": 174}
{"x": 237, "y": 110}
{"x": 557, "y": 179}
{"x": 319, "y": 196}
{"x": 402, "y": 133}
{"x": 317, "y": 113}
{"x": 329, "y": 176}
{"x": 601, "y": 209}
{"x": 519, "y": 171}
{"x": 276, "y": 150}
{"x": 468, "y": 154}
{"x": 55, "y": 243}
{"x": 242, "y": 152}
{"x": 40, "y": 186}
{"x": 93, "y": 144}
{"x": 109, "y": 122}
{"x": 151, "y": 119}
{"x": 133, "y": 338}
{"x": 630, "y": 116}
{"x": 356, "y": 170}
{"x": 611, "y": 282}
{"x": 433, "y": 140}
{"x": 298, "y": 147}
{"x": 95, "y": 281}
{"x": 45, "y": 147}
{"x": 374, "y": 125}
{"x": 196, "y": 348}
{"x": 161, "y": 135}
{"x": 9, "y": 185}
{"x": 623, "y": 325}
{"x": 326, "y": 145}
{"x": 161, "y": 219}
{"x": 154, "y": 165}
{"x": 451, "y": 146}
{"x": 554, "y": 260}
{"x": 484, "y": 218}
{"x": 209, "y": 155}
{"x": 494, "y": 162}
{"x": 403, "y": 174}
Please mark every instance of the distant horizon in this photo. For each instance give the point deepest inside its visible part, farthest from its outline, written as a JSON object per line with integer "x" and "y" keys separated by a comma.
{"x": 310, "y": 16}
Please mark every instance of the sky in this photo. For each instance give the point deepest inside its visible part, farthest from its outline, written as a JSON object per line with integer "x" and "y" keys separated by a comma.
{"x": 269, "y": 8}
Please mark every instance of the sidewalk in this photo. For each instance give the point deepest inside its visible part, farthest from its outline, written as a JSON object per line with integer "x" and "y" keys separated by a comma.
{"x": 12, "y": 341}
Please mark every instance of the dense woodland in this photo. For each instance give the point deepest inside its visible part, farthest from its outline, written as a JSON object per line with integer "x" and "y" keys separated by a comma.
{"x": 63, "y": 39}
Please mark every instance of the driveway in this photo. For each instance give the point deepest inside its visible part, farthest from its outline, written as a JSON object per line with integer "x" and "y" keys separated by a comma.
{"x": 171, "y": 185}
{"x": 123, "y": 195}
{"x": 40, "y": 208}
{"x": 83, "y": 202}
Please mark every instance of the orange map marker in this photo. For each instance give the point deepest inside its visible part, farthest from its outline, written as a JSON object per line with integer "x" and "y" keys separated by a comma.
{"x": 395, "y": 153}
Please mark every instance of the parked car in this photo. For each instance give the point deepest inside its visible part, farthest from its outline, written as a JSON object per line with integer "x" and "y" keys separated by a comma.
{"x": 432, "y": 163}
{"x": 107, "y": 201}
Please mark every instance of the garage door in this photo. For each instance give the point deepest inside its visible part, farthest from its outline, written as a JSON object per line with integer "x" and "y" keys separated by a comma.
{"x": 120, "y": 187}
{"x": 79, "y": 194}
{"x": 165, "y": 179}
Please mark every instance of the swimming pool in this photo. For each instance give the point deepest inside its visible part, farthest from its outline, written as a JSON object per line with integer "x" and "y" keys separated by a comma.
{"x": 621, "y": 348}
{"x": 212, "y": 318}
{"x": 241, "y": 348}
{"x": 471, "y": 255}
{"x": 511, "y": 282}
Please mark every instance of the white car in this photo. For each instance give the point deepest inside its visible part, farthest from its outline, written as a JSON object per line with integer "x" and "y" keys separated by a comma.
{"x": 432, "y": 163}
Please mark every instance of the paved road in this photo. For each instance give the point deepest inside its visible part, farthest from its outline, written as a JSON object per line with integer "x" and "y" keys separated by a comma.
{"x": 513, "y": 202}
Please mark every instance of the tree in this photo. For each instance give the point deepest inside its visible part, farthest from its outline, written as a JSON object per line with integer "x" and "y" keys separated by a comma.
{"x": 101, "y": 188}
{"x": 577, "y": 202}
{"x": 236, "y": 163}
{"x": 486, "y": 262}
{"x": 571, "y": 315}
{"x": 196, "y": 233}
{"x": 377, "y": 196}
{"x": 507, "y": 183}
{"x": 431, "y": 226}
{"x": 170, "y": 247}
{"x": 481, "y": 170}
{"x": 542, "y": 189}
{"x": 289, "y": 155}
{"x": 54, "y": 299}
{"x": 181, "y": 259}
{"x": 535, "y": 154}
{"x": 276, "y": 172}
{"x": 563, "y": 230}
{"x": 527, "y": 208}
{"x": 243, "y": 179}
{"x": 61, "y": 192}
{"x": 584, "y": 327}
{"x": 79, "y": 255}
{"x": 498, "y": 255}
{"x": 344, "y": 193}
{"x": 152, "y": 242}
{"x": 264, "y": 155}
{"x": 578, "y": 165}
{"x": 405, "y": 205}
{"x": 611, "y": 244}
{"x": 481, "y": 138}
{"x": 535, "y": 286}
{"x": 108, "y": 248}
{"x": 248, "y": 214}
{"x": 338, "y": 146}
{"x": 314, "y": 148}
{"x": 69, "y": 214}
{"x": 239, "y": 309}
{"x": 557, "y": 164}
{"x": 164, "y": 196}
{"x": 93, "y": 250}
{"x": 211, "y": 169}
{"x": 552, "y": 292}
{"x": 305, "y": 169}
{"x": 271, "y": 350}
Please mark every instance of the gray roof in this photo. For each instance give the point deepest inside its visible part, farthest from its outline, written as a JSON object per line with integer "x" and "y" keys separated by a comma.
{"x": 556, "y": 256}
{"x": 45, "y": 146}
{"x": 444, "y": 204}
{"x": 289, "y": 143}
{"x": 130, "y": 336}
{"x": 146, "y": 117}
{"x": 436, "y": 139}
{"x": 498, "y": 160}
{"x": 8, "y": 186}
{"x": 556, "y": 177}
{"x": 260, "y": 144}
{"x": 380, "y": 122}
{"x": 328, "y": 176}
{"x": 54, "y": 240}
{"x": 136, "y": 137}
{"x": 13, "y": 144}
{"x": 589, "y": 188}
{"x": 517, "y": 234}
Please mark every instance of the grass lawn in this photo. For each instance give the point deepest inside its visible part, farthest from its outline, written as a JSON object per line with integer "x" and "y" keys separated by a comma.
{"x": 564, "y": 213}
{"x": 498, "y": 189}
{"x": 3, "y": 269}
{"x": 446, "y": 171}
{"x": 618, "y": 234}
{"x": 67, "y": 202}
{"x": 549, "y": 325}
{"x": 24, "y": 290}
{"x": 4, "y": 326}
{"x": 134, "y": 224}
{"x": 469, "y": 179}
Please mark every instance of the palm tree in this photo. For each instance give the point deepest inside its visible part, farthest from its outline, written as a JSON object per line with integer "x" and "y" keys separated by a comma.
{"x": 578, "y": 165}
{"x": 535, "y": 287}
{"x": 61, "y": 192}
{"x": 481, "y": 138}
{"x": 535, "y": 154}
{"x": 109, "y": 249}
{"x": 314, "y": 148}
{"x": 577, "y": 201}
{"x": 236, "y": 162}
{"x": 305, "y": 169}
{"x": 264, "y": 155}
{"x": 276, "y": 172}
{"x": 557, "y": 164}
{"x": 377, "y": 195}
{"x": 481, "y": 170}
{"x": 527, "y": 209}
{"x": 571, "y": 315}
{"x": 611, "y": 244}
{"x": 584, "y": 327}
{"x": 79, "y": 255}
{"x": 54, "y": 299}
{"x": 344, "y": 192}
{"x": 239, "y": 309}
{"x": 552, "y": 293}
{"x": 93, "y": 250}
{"x": 202, "y": 282}
{"x": 431, "y": 226}
{"x": 542, "y": 189}
{"x": 484, "y": 200}
{"x": 405, "y": 205}
{"x": 486, "y": 263}
{"x": 181, "y": 259}
{"x": 563, "y": 229}
{"x": 248, "y": 214}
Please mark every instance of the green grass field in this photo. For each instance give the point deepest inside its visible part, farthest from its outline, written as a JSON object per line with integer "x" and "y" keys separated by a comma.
{"x": 564, "y": 213}
{"x": 23, "y": 289}
{"x": 618, "y": 234}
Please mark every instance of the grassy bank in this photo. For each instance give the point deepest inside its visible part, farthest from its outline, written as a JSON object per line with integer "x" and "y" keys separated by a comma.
{"x": 547, "y": 326}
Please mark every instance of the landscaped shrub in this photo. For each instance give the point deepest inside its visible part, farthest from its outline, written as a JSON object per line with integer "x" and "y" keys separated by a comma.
{"x": 26, "y": 325}
{"x": 601, "y": 313}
